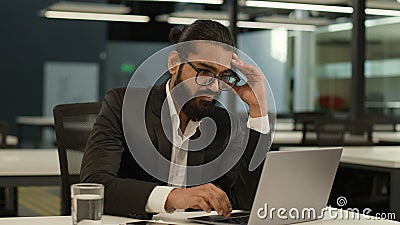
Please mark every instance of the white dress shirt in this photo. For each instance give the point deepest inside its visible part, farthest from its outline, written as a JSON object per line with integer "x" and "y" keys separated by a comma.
{"x": 177, "y": 171}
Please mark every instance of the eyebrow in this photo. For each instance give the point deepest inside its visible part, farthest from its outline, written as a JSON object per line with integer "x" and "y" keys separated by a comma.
{"x": 211, "y": 67}
{"x": 207, "y": 66}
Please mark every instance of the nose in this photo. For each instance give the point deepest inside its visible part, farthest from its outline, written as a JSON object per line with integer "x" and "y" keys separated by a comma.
{"x": 214, "y": 86}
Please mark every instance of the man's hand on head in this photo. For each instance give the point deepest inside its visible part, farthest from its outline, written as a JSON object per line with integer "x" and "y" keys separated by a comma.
{"x": 254, "y": 91}
{"x": 205, "y": 197}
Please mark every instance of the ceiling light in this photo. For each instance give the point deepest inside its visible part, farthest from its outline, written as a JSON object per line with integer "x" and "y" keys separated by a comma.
{"x": 382, "y": 12}
{"x": 95, "y": 16}
{"x": 382, "y": 21}
{"x": 214, "y": 2}
{"x": 241, "y": 24}
{"x": 263, "y": 25}
{"x": 187, "y": 21}
{"x": 300, "y": 6}
{"x": 207, "y": 14}
{"x": 324, "y": 2}
{"x": 381, "y": 8}
{"x": 335, "y": 27}
{"x": 287, "y": 20}
{"x": 92, "y": 11}
{"x": 89, "y": 7}
{"x": 348, "y": 25}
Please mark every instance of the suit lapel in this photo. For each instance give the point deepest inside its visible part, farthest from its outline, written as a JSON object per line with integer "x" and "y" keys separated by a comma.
{"x": 156, "y": 132}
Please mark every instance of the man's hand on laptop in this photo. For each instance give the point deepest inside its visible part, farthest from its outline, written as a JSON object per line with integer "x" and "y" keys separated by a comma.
{"x": 205, "y": 197}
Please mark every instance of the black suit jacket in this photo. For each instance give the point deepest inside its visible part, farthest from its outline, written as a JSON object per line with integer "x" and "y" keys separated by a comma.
{"x": 108, "y": 160}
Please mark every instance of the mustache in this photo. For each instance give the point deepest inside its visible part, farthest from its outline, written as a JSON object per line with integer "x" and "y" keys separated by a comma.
{"x": 208, "y": 93}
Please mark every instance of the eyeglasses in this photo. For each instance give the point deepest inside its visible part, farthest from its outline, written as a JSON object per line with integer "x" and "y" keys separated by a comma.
{"x": 205, "y": 77}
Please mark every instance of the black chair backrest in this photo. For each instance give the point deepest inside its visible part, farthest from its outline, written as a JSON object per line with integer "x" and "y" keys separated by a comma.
{"x": 305, "y": 121}
{"x": 380, "y": 119}
{"x": 330, "y": 132}
{"x": 3, "y": 133}
{"x": 73, "y": 124}
{"x": 358, "y": 133}
{"x": 336, "y": 132}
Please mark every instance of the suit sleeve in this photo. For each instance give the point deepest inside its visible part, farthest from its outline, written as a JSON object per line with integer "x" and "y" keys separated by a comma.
{"x": 239, "y": 183}
{"x": 101, "y": 162}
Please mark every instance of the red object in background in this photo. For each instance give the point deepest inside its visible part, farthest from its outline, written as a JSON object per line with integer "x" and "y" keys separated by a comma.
{"x": 332, "y": 102}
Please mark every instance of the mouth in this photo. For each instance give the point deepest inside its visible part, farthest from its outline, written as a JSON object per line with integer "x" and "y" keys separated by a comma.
{"x": 206, "y": 98}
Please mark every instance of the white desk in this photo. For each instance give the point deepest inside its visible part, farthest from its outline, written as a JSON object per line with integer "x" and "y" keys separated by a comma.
{"x": 25, "y": 167}
{"x": 11, "y": 140}
{"x": 286, "y": 124}
{"x": 373, "y": 158}
{"x": 287, "y": 137}
{"x": 387, "y": 136}
{"x": 295, "y": 137}
{"x": 177, "y": 218}
{"x": 28, "y": 167}
{"x": 57, "y": 220}
{"x": 35, "y": 120}
{"x": 379, "y": 156}
{"x": 180, "y": 218}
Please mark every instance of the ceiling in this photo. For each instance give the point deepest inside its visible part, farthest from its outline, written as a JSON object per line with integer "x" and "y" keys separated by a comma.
{"x": 154, "y": 8}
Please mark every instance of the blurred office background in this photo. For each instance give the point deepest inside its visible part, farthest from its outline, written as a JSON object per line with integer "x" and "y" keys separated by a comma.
{"x": 304, "y": 47}
{"x": 307, "y": 57}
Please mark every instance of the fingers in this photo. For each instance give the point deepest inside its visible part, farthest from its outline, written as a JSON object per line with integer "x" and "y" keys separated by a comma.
{"x": 244, "y": 67}
{"x": 223, "y": 200}
{"x": 219, "y": 200}
{"x": 203, "y": 204}
{"x": 204, "y": 197}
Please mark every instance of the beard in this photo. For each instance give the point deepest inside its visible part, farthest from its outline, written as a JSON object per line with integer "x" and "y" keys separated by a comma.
{"x": 196, "y": 108}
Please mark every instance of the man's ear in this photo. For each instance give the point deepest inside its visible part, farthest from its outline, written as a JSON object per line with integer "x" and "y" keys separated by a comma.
{"x": 173, "y": 62}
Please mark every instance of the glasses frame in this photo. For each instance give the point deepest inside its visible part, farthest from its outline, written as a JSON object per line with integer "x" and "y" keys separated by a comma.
{"x": 198, "y": 71}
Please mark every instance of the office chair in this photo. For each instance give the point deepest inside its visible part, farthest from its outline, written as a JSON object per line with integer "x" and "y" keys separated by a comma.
{"x": 305, "y": 121}
{"x": 330, "y": 132}
{"x": 338, "y": 132}
{"x": 358, "y": 133}
{"x": 73, "y": 124}
{"x": 389, "y": 120}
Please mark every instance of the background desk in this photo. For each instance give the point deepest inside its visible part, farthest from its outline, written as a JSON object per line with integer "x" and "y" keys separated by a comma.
{"x": 27, "y": 167}
{"x": 33, "y": 121}
{"x": 283, "y": 137}
{"x": 11, "y": 140}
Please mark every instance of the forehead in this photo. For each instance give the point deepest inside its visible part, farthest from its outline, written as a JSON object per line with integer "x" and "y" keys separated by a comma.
{"x": 211, "y": 53}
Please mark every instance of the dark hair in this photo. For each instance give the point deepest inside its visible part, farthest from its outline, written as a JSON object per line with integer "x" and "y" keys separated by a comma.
{"x": 202, "y": 30}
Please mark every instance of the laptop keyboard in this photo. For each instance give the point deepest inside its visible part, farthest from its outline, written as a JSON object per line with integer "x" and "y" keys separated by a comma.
{"x": 236, "y": 220}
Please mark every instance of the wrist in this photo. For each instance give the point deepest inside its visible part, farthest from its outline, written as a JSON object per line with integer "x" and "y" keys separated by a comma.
{"x": 257, "y": 111}
{"x": 169, "y": 203}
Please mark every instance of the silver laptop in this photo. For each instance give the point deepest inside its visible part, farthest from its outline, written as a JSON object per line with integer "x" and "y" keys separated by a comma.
{"x": 294, "y": 187}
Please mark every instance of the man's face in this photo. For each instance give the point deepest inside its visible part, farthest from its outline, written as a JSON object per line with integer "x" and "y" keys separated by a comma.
{"x": 202, "y": 101}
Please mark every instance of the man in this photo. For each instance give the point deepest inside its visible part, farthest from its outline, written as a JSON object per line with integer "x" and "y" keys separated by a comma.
{"x": 198, "y": 75}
